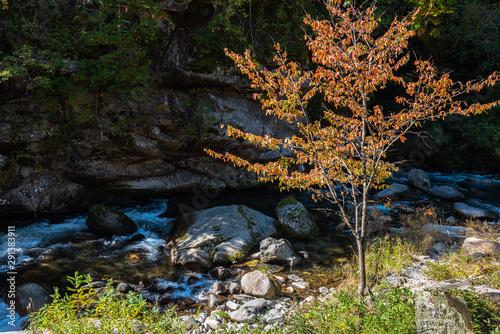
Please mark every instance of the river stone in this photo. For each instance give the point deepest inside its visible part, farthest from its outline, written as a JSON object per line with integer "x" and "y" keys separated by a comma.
{"x": 257, "y": 284}
{"x": 480, "y": 184}
{"x": 107, "y": 221}
{"x": 438, "y": 312}
{"x": 471, "y": 211}
{"x": 295, "y": 219}
{"x": 243, "y": 315}
{"x": 220, "y": 273}
{"x": 484, "y": 247}
{"x": 419, "y": 179}
{"x": 276, "y": 251}
{"x": 225, "y": 232}
{"x": 30, "y": 298}
{"x": 256, "y": 304}
{"x": 396, "y": 190}
{"x": 234, "y": 288}
{"x": 454, "y": 232}
{"x": 194, "y": 259}
{"x": 446, "y": 192}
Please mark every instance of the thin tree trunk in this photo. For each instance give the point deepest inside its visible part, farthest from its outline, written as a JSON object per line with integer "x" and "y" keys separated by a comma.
{"x": 361, "y": 263}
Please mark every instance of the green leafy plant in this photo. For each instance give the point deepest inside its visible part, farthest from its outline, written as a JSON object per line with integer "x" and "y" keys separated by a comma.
{"x": 485, "y": 313}
{"x": 392, "y": 311}
{"x": 87, "y": 309}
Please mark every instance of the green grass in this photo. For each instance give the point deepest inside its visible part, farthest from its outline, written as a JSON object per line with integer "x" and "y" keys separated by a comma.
{"x": 391, "y": 312}
{"x": 457, "y": 265}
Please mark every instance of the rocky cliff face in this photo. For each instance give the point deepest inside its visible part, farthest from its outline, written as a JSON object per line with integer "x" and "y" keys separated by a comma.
{"x": 148, "y": 143}
{"x": 150, "y": 146}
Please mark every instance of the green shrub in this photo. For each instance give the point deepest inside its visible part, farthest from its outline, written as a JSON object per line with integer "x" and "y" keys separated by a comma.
{"x": 88, "y": 307}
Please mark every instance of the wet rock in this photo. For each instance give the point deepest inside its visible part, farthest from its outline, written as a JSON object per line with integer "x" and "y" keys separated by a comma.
{"x": 192, "y": 280}
{"x": 441, "y": 313}
{"x": 104, "y": 220}
{"x": 483, "y": 247}
{"x": 295, "y": 219}
{"x": 30, "y": 298}
{"x": 473, "y": 212}
{"x": 257, "y": 284}
{"x": 419, "y": 179}
{"x": 220, "y": 273}
{"x": 194, "y": 259}
{"x": 243, "y": 315}
{"x": 446, "y": 192}
{"x": 225, "y": 232}
{"x": 396, "y": 190}
{"x": 276, "y": 251}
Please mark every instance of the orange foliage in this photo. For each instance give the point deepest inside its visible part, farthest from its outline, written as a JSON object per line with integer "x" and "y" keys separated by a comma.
{"x": 344, "y": 154}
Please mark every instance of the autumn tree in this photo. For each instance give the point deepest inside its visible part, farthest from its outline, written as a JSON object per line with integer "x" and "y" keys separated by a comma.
{"x": 345, "y": 150}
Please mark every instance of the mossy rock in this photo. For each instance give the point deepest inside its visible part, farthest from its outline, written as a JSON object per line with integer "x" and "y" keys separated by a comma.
{"x": 296, "y": 220}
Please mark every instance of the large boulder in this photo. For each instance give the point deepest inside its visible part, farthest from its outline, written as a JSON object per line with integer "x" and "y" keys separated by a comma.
{"x": 472, "y": 211}
{"x": 419, "y": 179}
{"x": 226, "y": 233}
{"x": 395, "y": 190}
{"x": 104, "y": 220}
{"x": 30, "y": 298}
{"x": 276, "y": 251}
{"x": 256, "y": 283}
{"x": 484, "y": 247}
{"x": 446, "y": 192}
{"x": 438, "y": 312}
{"x": 295, "y": 220}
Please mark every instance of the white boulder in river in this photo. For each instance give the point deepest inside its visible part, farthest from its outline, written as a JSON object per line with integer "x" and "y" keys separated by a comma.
{"x": 222, "y": 234}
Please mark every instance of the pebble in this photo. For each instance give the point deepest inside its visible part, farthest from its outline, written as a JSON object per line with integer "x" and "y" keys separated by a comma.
{"x": 232, "y": 305}
{"x": 295, "y": 278}
{"x": 218, "y": 288}
{"x": 300, "y": 285}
